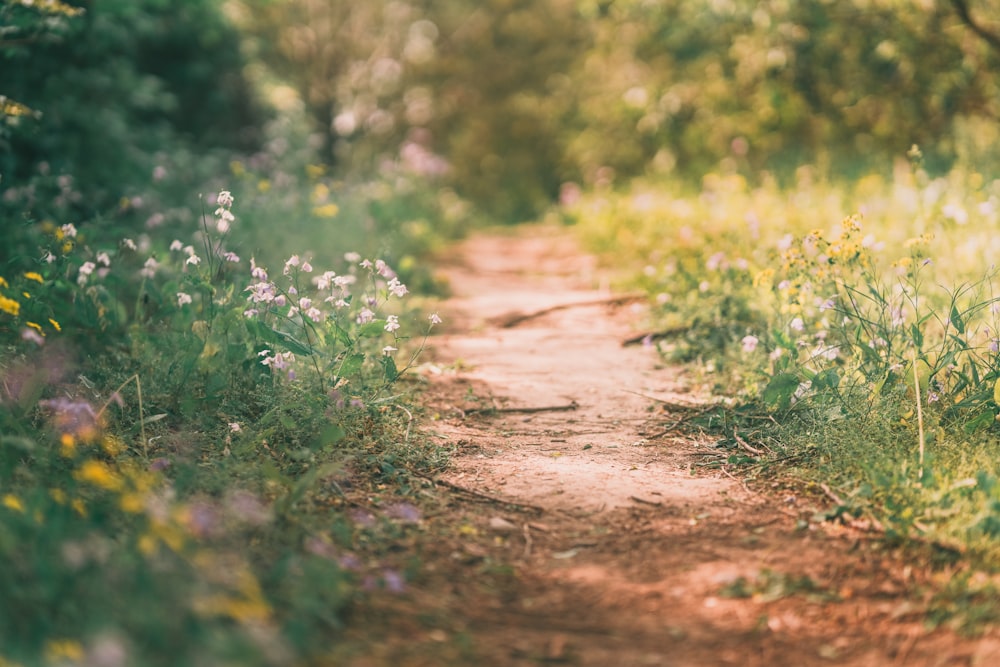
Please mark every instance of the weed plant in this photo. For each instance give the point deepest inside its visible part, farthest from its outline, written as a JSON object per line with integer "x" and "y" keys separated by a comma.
{"x": 178, "y": 425}
{"x": 871, "y": 347}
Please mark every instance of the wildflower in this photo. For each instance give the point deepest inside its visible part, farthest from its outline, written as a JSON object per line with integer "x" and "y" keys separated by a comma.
{"x": 365, "y": 316}
{"x": 258, "y": 272}
{"x": 225, "y": 198}
{"x": 388, "y": 350}
{"x": 307, "y": 267}
{"x": 85, "y": 271}
{"x": 749, "y": 343}
{"x": 796, "y": 324}
{"x": 176, "y": 245}
{"x": 434, "y": 319}
{"x": 55, "y": 325}
{"x": 290, "y": 263}
{"x": 9, "y": 306}
{"x": 305, "y": 303}
{"x": 235, "y": 427}
{"x": 231, "y": 257}
{"x": 325, "y": 280}
{"x": 149, "y": 268}
{"x": 69, "y": 230}
{"x": 183, "y": 298}
{"x": 392, "y": 323}
{"x": 352, "y": 257}
{"x": 33, "y": 336}
{"x": 130, "y": 244}
{"x": 397, "y": 288}
{"x": 367, "y": 264}
{"x": 100, "y": 475}
{"x": 12, "y": 502}
{"x": 281, "y": 300}
{"x": 314, "y": 314}
{"x": 193, "y": 259}
{"x": 31, "y": 275}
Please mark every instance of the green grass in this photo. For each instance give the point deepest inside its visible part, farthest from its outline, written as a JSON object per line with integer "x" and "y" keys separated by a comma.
{"x": 860, "y": 319}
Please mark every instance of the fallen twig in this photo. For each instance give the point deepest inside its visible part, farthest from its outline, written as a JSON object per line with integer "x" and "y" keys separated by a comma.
{"x": 512, "y": 320}
{"x": 548, "y": 408}
{"x": 643, "y": 501}
{"x": 746, "y": 445}
{"x": 650, "y": 336}
{"x": 486, "y": 496}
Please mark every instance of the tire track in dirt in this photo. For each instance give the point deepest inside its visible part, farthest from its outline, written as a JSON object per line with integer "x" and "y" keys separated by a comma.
{"x": 631, "y": 558}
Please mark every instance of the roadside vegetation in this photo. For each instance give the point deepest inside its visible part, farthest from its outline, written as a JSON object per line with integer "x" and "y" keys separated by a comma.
{"x": 217, "y": 219}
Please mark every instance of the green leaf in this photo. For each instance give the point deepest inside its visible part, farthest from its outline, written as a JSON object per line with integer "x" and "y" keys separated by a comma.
{"x": 956, "y": 320}
{"x": 391, "y": 373}
{"x": 996, "y": 392}
{"x": 917, "y": 336}
{"x": 351, "y": 365}
{"x": 372, "y": 329}
{"x": 276, "y": 337}
{"x": 779, "y": 391}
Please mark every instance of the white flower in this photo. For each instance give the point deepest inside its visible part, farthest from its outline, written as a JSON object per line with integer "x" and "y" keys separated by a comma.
{"x": 149, "y": 268}
{"x": 258, "y": 272}
{"x": 391, "y": 323}
{"x": 103, "y": 258}
{"x": 314, "y": 314}
{"x": 352, "y": 257}
{"x": 324, "y": 281}
{"x": 193, "y": 259}
{"x": 183, "y": 298}
{"x": 231, "y": 257}
{"x": 292, "y": 261}
{"x": 365, "y": 316}
{"x": 129, "y": 243}
{"x": 397, "y": 288}
{"x": 434, "y": 319}
{"x": 307, "y": 267}
{"x": 797, "y": 324}
{"x": 225, "y": 198}
{"x": 235, "y": 427}
{"x": 176, "y": 245}
{"x": 85, "y": 271}
{"x": 388, "y": 350}
{"x": 750, "y": 343}
{"x": 69, "y": 230}
{"x": 305, "y": 303}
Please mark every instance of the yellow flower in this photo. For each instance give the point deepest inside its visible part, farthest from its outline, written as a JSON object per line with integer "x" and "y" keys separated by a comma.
{"x": 37, "y": 277}
{"x": 79, "y": 507}
{"x": 315, "y": 170}
{"x": 100, "y": 475}
{"x": 237, "y": 168}
{"x": 68, "y": 445}
{"x": 263, "y": 185}
{"x": 131, "y": 503}
{"x": 37, "y": 327}
{"x": 9, "y": 306}
{"x": 55, "y": 325}
{"x": 12, "y": 502}
{"x": 67, "y": 247}
{"x": 3, "y": 282}
{"x": 112, "y": 445}
{"x": 326, "y": 211}
{"x": 58, "y": 495}
{"x": 61, "y": 650}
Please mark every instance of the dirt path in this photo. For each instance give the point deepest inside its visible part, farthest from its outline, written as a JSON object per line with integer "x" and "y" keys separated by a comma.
{"x": 578, "y": 538}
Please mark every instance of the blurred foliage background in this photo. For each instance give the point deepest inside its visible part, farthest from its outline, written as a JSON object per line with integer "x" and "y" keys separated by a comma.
{"x": 500, "y": 102}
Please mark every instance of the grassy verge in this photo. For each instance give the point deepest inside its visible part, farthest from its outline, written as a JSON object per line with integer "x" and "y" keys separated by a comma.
{"x": 855, "y": 328}
{"x": 205, "y": 438}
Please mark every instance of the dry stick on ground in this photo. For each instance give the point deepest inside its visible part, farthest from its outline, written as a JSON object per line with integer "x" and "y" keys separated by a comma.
{"x": 484, "y": 496}
{"x": 512, "y": 320}
{"x": 655, "y": 335}
{"x": 549, "y": 408}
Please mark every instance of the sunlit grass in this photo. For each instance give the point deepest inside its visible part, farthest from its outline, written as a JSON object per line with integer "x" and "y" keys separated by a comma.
{"x": 862, "y": 317}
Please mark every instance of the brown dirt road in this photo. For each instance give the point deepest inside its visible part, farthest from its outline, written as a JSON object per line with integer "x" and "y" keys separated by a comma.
{"x": 576, "y": 537}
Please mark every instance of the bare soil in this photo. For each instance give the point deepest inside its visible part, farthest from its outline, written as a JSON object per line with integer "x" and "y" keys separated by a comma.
{"x": 577, "y": 527}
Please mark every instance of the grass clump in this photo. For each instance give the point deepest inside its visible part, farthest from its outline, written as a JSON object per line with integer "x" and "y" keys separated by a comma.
{"x": 871, "y": 348}
{"x": 182, "y": 430}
